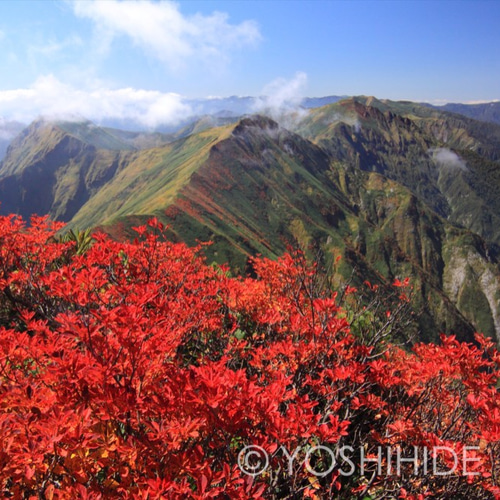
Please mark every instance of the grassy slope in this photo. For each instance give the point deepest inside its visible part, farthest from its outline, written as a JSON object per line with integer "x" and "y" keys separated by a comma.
{"x": 149, "y": 180}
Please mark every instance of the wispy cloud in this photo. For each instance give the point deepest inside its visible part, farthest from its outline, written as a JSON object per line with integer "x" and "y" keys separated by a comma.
{"x": 446, "y": 158}
{"x": 51, "y": 98}
{"x": 282, "y": 99}
{"x": 162, "y": 31}
{"x": 349, "y": 119}
{"x": 54, "y": 47}
{"x": 7, "y": 135}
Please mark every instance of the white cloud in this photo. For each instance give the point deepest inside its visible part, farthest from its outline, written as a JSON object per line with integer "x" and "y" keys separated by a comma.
{"x": 6, "y": 135}
{"x": 282, "y": 93}
{"x": 447, "y": 158}
{"x": 51, "y": 98}
{"x": 164, "y": 32}
{"x": 282, "y": 99}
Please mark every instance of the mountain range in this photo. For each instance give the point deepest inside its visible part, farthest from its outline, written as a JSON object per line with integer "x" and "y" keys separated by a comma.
{"x": 486, "y": 112}
{"x": 397, "y": 188}
{"x": 236, "y": 106}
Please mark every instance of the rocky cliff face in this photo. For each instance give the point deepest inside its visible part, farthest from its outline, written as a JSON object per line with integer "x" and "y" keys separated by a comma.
{"x": 450, "y": 162}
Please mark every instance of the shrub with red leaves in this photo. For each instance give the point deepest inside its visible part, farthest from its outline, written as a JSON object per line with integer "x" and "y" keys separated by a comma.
{"x": 135, "y": 370}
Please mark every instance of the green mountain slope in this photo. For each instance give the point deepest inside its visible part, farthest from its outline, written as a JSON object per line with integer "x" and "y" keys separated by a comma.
{"x": 47, "y": 170}
{"x": 451, "y": 163}
{"x": 149, "y": 181}
{"x": 55, "y": 167}
{"x": 261, "y": 187}
{"x": 398, "y": 189}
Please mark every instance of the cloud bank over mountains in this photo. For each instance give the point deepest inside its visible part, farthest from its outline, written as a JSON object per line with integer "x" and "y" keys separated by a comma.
{"x": 134, "y": 36}
{"x": 50, "y": 98}
{"x": 174, "y": 42}
{"x": 53, "y": 99}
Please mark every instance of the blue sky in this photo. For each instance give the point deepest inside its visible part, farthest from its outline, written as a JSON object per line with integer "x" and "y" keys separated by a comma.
{"x": 107, "y": 57}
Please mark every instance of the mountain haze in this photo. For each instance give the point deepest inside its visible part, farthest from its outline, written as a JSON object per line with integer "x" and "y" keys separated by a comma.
{"x": 8, "y": 130}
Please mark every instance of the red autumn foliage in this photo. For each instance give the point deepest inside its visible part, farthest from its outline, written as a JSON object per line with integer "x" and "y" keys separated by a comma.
{"x": 135, "y": 370}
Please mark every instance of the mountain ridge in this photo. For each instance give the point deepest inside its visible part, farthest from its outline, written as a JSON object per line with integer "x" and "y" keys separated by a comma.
{"x": 486, "y": 111}
{"x": 376, "y": 181}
